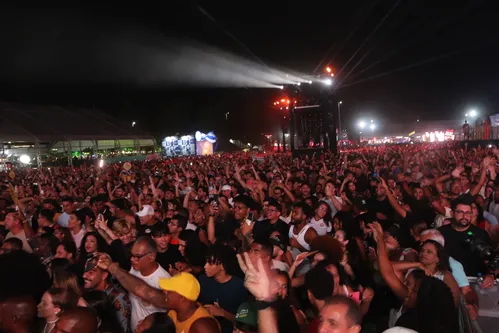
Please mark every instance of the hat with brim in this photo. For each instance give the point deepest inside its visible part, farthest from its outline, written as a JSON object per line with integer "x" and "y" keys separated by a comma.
{"x": 184, "y": 284}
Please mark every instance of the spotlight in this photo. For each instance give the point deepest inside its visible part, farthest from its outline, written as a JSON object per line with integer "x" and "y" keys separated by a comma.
{"x": 328, "y": 82}
{"x": 25, "y": 159}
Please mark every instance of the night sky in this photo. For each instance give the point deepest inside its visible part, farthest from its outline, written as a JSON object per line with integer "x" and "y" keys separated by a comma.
{"x": 419, "y": 59}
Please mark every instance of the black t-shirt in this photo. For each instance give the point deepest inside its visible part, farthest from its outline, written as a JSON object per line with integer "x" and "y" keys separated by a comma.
{"x": 228, "y": 295}
{"x": 381, "y": 206}
{"x": 457, "y": 248}
{"x": 169, "y": 257}
{"x": 263, "y": 229}
{"x": 225, "y": 228}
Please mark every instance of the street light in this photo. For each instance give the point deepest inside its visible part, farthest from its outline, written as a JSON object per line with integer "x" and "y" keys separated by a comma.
{"x": 227, "y": 115}
{"x": 362, "y": 124}
{"x": 372, "y": 127}
{"x": 473, "y": 113}
{"x": 339, "y": 120}
{"x": 133, "y": 123}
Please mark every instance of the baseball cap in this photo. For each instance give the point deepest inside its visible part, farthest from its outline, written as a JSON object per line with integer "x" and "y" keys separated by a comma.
{"x": 226, "y": 188}
{"x": 247, "y": 314}
{"x": 184, "y": 284}
{"x": 91, "y": 262}
{"x": 278, "y": 241}
{"x": 146, "y": 210}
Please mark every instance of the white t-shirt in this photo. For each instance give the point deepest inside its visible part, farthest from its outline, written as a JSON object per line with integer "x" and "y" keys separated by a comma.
{"x": 78, "y": 237}
{"x": 22, "y": 236}
{"x": 320, "y": 226}
{"x": 282, "y": 266}
{"x": 141, "y": 309}
{"x": 191, "y": 226}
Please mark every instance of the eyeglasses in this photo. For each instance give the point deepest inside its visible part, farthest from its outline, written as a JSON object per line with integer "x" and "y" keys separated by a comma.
{"x": 139, "y": 256}
{"x": 463, "y": 213}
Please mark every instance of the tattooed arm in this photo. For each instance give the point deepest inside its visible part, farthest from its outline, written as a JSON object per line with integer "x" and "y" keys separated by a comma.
{"x": 136, "y": 286}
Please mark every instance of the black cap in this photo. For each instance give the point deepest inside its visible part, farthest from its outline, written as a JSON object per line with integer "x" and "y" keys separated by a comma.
{"x": 278, "y": 240}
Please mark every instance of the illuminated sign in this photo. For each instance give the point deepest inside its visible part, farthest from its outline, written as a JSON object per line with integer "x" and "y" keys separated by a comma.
{"x": 185, "y": 145}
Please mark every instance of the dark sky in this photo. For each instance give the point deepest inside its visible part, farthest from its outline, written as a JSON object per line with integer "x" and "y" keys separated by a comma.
{"x": 425, "y": 59}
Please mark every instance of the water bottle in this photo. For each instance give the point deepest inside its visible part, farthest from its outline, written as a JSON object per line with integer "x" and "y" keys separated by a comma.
{"x": 479, "y": 279}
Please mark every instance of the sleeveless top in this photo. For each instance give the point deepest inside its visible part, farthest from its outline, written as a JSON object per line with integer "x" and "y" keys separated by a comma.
{"x": 185, "y": 326}
{"x": 300, "y": 238}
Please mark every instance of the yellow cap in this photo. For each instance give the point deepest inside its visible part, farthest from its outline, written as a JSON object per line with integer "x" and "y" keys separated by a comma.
{"x": 184, "y": 284}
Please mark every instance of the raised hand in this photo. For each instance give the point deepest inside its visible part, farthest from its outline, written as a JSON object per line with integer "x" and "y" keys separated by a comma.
{"x": 256, "y": 279}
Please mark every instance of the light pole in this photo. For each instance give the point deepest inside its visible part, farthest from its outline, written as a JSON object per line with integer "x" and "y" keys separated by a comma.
{"x": 362, "y": 124}
{"x": 339, "y": 120}
{"x": 227, "y": 116}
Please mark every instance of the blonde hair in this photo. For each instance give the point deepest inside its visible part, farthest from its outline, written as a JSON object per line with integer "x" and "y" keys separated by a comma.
{"x": 121, "y": 227}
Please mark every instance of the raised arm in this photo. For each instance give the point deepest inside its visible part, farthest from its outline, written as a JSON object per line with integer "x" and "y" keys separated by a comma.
{"x": 132, "y": 283}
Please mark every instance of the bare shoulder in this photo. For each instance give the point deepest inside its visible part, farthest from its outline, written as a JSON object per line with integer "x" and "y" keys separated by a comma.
{"x": 205, "y": 325}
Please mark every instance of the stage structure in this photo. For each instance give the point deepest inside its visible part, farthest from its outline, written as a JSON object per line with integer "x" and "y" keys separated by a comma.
{"x": 308, "y": 112}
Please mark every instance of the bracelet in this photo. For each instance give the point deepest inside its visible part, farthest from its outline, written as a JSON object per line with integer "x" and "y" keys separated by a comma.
{"x": 262, "y": 305}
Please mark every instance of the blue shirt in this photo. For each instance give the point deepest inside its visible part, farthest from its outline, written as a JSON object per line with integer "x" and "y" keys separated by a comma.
{"x": 458, "y": 273}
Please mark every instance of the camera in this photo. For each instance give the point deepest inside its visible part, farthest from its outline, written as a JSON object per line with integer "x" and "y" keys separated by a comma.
{"x": 484, "y": 250}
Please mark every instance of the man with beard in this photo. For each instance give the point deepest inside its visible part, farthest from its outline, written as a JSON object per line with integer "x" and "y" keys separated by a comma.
{"x": 96, "y": 278}
{"x": 301, "y": 234}
{"x": 456, "y": 234}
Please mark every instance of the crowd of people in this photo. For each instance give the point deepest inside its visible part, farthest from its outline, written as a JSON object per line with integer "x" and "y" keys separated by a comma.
{"x": 373, "y": 239}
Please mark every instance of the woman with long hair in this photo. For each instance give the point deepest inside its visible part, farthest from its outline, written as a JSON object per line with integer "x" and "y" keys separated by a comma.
{"x": 91, "y": 244}
{"x": 428, "y": 305}
{"x": 281, "y": 286}
{"x": 53, "y": 302}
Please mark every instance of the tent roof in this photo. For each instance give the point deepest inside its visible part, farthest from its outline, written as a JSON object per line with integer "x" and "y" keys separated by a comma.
{"x": 23, "y": 122}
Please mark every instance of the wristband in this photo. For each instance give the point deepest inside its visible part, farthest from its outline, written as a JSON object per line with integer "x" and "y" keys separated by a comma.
{"x": 262, "y": 305}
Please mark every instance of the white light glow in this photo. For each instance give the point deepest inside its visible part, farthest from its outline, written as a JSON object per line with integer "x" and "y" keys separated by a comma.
{"x": 328, "y": 82}
{"x": 101, "y": 163}
{"x": 372, "y": 127}
{"x": 473, "y": 113}
{"x": 281, "y": 87}
{"x": 362, "y": 124}
{"x": 231, "y": 141}
{"x": 25, "y": 159}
